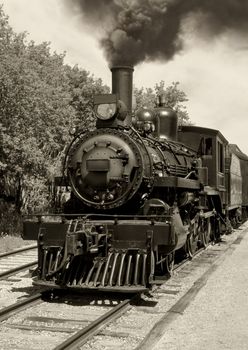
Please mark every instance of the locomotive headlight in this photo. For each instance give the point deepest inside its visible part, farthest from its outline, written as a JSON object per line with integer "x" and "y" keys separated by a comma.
{"x": 106, "y": 111}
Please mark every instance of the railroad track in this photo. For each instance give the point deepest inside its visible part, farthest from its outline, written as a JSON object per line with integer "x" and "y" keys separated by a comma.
{"x": 68, "y": 328}
{"x": 17, "y": 260}
{"x": 82, "y": 336}
{"x": 142, "y": 326}
{"x": 75, "y": 321}
{"x": 85, "y": 322}
{"x": 71, "y": 322}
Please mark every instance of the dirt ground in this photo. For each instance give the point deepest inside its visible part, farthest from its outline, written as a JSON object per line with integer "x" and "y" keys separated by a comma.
{"x": 217, "y": 319}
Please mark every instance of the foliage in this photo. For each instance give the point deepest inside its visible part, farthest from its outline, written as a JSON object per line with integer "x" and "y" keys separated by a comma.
{"x": 144, "y": 97}
{"x": 41, "y": 98}
{"x": 10, "y": 220}
{"x": 174, "y": 98}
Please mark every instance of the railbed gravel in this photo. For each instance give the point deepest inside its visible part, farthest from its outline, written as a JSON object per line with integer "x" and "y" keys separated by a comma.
{"x": 16, "y": 288}
{"x": 129, "y": 330}
{"x": 125, "y": 333}
{"x": 66, "y": 314}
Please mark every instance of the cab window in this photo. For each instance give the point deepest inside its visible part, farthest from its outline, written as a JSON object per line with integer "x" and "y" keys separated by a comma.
{"x": 220, "y": 158}
{"x": 206, "y": 146}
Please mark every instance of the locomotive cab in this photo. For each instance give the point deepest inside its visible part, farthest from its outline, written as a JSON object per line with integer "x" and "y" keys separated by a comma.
{"x": 210, "y": 145}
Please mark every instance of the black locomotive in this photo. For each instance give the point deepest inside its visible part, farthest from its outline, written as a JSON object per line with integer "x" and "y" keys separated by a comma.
{"x": 136, "y": 196}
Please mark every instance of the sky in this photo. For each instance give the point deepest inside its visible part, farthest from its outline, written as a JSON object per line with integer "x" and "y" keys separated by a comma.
{"x": 213, "y": 73}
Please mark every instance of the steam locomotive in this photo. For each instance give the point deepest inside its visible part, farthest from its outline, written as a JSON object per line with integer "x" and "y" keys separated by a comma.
{"x": 140, "y": 191}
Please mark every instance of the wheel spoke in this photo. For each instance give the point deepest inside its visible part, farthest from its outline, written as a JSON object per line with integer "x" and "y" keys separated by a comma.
{"x": 192, "y": 239}
{"x": 169, "y": 261}
{"x": 204, "y": 232}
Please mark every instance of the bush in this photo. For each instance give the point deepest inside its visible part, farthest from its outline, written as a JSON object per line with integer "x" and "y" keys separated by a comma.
{"x": 10, "y": 220}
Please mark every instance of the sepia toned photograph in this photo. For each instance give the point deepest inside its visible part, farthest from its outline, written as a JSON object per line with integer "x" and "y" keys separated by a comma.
{"x": 123, "y": 174}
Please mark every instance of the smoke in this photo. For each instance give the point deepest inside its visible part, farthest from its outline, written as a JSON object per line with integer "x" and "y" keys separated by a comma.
{"x": 133, "y": 31}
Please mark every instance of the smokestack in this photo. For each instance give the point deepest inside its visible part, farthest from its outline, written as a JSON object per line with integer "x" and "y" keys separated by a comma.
{"x": 122, "y": 84}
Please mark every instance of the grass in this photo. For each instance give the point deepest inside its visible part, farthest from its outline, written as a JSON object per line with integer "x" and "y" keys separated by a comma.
{"x": 8, "y": 243}
{"x": 10, "y": 228}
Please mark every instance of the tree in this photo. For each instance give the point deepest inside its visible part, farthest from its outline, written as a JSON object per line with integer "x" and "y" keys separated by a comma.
{"x": 174, "y": 98}
{"x": 144, "y": 97}
{"x": 41, "y": 98}
{"x": 82, "y": 88}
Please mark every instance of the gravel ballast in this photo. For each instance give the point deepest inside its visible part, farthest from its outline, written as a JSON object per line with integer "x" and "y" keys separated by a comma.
{"x": 217, "y": 317}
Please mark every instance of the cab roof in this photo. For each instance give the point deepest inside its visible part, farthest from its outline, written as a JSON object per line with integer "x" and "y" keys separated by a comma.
{"x": 204, "y": 131}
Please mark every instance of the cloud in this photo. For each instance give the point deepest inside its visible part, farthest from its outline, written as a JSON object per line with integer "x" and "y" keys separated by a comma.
{"x": 212, "y": 73}
{"x": 48, "y": 21}
{"x": 214, "y": 76}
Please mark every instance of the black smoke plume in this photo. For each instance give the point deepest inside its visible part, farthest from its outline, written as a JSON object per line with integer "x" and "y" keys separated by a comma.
{"x": 146, "y": 30}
